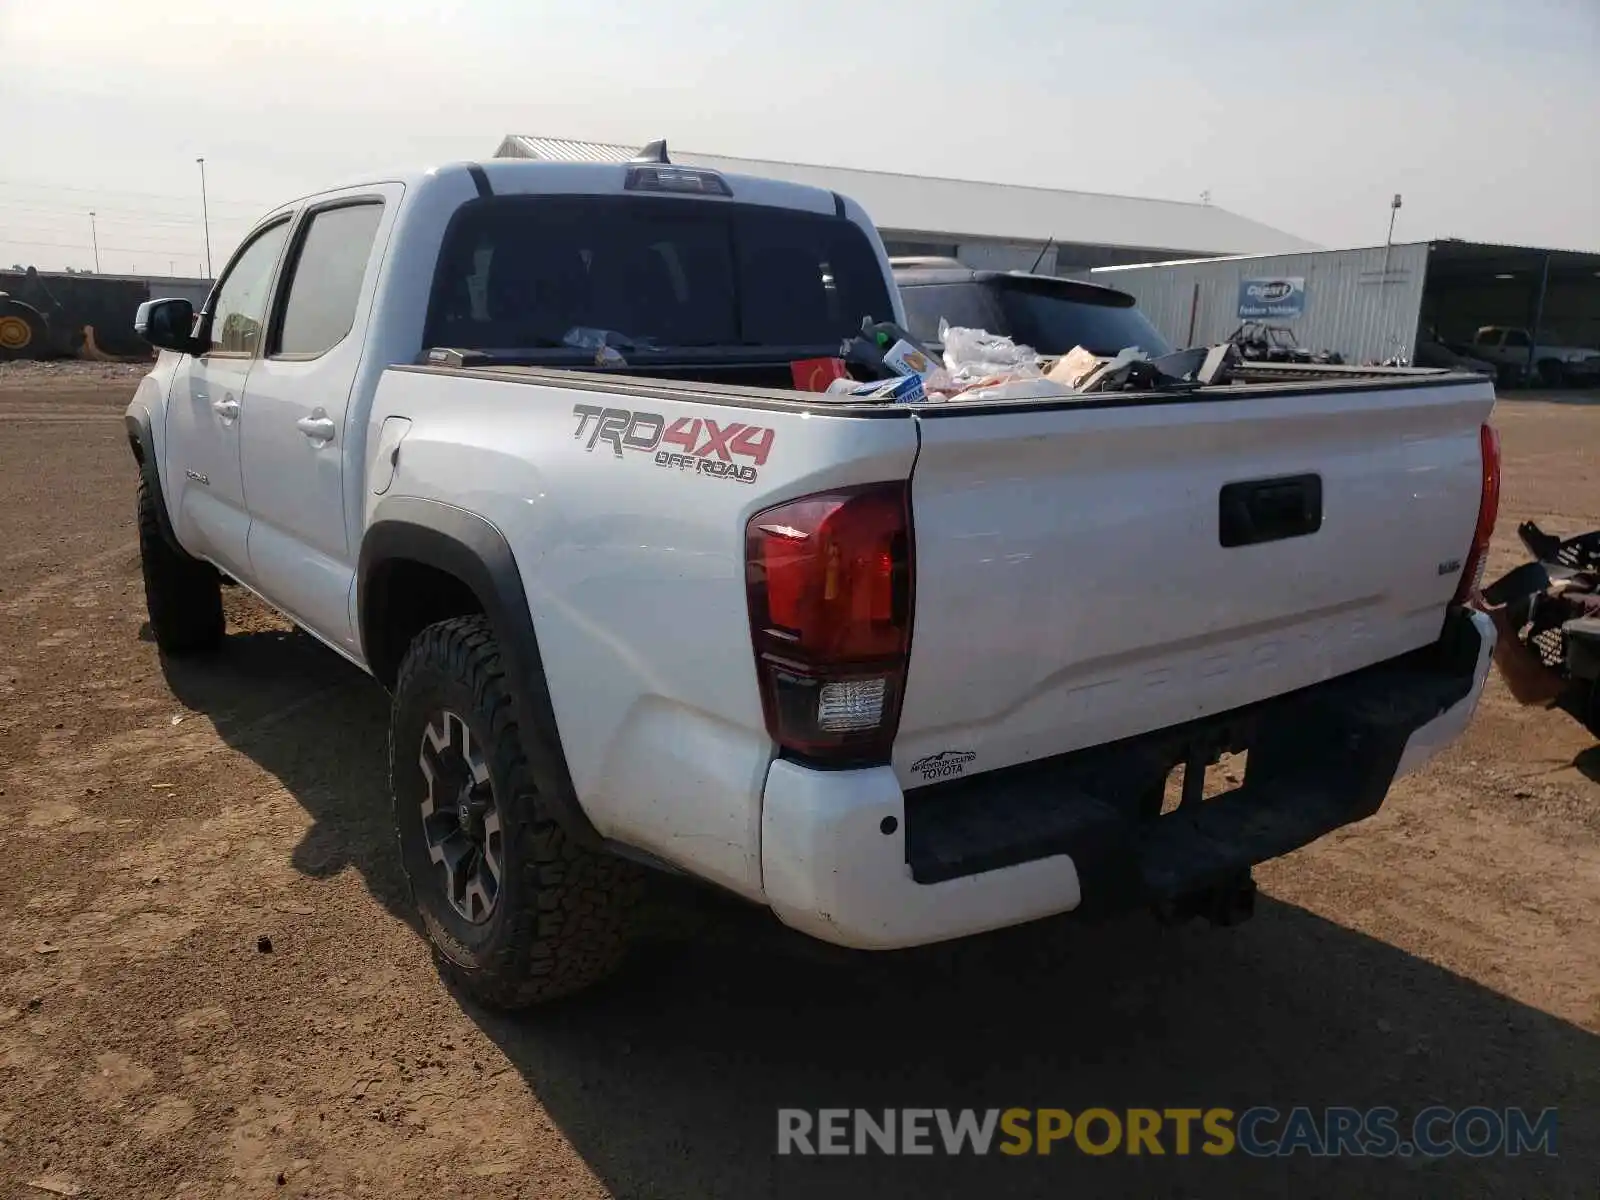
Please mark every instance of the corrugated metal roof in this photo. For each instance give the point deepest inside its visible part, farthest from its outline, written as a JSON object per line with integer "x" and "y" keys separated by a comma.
{"x": 957, "y": 208}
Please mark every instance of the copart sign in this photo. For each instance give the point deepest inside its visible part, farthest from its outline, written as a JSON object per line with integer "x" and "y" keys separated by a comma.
{"x": 1278, "y": 296}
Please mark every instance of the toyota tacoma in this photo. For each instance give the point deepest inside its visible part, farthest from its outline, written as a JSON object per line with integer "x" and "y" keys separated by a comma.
{"x": 520, "y": 440}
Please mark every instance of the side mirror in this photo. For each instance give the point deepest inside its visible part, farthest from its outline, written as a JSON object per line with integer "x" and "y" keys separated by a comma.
{"x": 166, "y": 325}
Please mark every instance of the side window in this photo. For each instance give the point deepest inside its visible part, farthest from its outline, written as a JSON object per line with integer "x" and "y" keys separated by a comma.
{"x": 325, "y": 280}
{"x": 1516, "y": 339}
{"x": 240, "y": 308}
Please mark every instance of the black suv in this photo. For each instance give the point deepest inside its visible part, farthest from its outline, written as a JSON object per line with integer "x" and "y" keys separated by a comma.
{"x": 1043, "y": 311}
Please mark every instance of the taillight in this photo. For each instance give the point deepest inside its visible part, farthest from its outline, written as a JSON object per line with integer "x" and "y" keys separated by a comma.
{"x": 829, "y": 582}
{"x": 1488, "y": 510}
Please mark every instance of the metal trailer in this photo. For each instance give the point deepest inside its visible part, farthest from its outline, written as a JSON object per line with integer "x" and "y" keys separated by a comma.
{"x": 47, "y": 314}
{"x": 1375, "y": 303}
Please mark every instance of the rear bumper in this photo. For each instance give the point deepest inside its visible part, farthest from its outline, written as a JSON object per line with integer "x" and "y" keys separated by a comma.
{"x": 849, "y": 858}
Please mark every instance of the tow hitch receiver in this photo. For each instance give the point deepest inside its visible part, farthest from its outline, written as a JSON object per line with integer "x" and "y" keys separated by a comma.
{"x": 1231, "y": 902}
{"x": 1232, "y": 899}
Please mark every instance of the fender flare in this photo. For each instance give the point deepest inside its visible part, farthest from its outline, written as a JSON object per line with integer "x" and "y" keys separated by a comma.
{"x": 33, "y": 310}
{"x": 464, "y": 545}
{"x": 141, "y": 440}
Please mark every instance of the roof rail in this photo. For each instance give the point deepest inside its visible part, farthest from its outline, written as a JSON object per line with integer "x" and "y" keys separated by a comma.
{"x": 653, "y": 152}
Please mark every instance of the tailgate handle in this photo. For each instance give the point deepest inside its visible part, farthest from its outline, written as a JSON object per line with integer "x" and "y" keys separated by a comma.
{"x": 1270, "y": 510}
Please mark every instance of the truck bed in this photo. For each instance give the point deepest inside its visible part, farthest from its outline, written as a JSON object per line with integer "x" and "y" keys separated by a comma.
{"x": 1072, "y": 582}
{"x": 765, "y": 385}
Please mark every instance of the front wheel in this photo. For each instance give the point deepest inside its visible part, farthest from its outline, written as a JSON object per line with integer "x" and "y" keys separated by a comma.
{"x": 516, "y": 911}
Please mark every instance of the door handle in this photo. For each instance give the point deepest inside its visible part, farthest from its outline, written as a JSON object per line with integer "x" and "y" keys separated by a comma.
{"x": 227, "y": 409}
{"x": 318, "y": 429}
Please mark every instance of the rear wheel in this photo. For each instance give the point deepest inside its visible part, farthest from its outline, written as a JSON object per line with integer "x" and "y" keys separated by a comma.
{"x": 182, "y": 595}
{"x": 517, "y": 912}
{"x": 1552, "y": 374}
{"x": 22, "y": 333}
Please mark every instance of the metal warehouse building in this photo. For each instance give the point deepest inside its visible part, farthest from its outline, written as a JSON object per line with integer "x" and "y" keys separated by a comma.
{"x": 992, "y": 225}
{"x": 1374, "y": 302}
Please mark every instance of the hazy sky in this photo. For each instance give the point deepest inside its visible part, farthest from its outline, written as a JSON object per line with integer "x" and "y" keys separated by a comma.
{"x": 1304, "y": 114}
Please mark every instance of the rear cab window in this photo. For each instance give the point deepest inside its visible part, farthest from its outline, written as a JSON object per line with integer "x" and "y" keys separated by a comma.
{"x": 655, "y": 273}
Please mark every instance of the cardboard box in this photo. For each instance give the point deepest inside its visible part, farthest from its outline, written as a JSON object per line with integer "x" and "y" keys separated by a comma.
{"x": 906, "y": 389}
{"x": 905, "y": 359}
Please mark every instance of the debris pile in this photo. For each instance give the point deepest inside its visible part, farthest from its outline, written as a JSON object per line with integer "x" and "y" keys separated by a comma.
{"x": 885, "y": 364}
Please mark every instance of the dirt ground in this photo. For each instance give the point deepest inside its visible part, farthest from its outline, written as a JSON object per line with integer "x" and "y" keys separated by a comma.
{"x": 165, "y": 822}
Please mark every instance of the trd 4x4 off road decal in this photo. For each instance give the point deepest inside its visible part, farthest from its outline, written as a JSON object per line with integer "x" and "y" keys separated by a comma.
{"x": 703, "y": 446}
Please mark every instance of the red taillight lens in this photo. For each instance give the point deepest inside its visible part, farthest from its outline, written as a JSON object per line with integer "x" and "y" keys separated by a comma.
{"x": 1488, "y": 511}
{"x": 829, "y": 582}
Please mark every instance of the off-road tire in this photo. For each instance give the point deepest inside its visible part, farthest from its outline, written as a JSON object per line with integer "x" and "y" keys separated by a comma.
{"x": 182, "y": 595}
{"x": 24, "y": 334}
{"x": 563, "y": 913}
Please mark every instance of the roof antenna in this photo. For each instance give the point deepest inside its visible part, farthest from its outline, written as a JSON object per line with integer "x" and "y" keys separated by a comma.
{"x": 1042, "y": 253}
{"x": 655, "y": 152}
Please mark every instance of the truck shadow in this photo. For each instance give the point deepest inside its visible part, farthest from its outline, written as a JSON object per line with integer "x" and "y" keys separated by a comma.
{"x": 320, "y": 727}
{"x": 668, "y": 1080}
{"x": 1587, "y": 763}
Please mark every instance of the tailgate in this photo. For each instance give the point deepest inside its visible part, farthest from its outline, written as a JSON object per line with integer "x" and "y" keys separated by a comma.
{"x": 1073, "y": 585}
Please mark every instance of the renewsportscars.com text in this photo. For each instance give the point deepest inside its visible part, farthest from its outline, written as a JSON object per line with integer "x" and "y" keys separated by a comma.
{"x": 1258, "y": 1132}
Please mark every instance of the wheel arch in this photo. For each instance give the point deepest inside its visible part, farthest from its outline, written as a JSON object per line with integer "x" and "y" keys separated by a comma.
{"x": 412, "y": 547}
{"x": 142, "y": 442}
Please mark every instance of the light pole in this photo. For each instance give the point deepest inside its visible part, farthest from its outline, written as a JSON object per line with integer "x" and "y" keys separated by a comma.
{"x": 94, "y": 236}
{"x": 1394, "y": 211}
{"x": 205, "y": 214}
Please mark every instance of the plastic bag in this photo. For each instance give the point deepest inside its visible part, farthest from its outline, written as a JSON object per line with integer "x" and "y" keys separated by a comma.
{"x": 973, "y": 354}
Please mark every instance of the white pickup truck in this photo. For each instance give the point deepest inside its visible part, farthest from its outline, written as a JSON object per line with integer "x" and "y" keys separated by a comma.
{"x": 1551, "y": 365}
{"x": 899, "y": 672}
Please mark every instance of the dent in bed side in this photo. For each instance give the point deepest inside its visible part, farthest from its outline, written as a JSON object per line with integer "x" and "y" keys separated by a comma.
{"x": 414, "y": 556}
